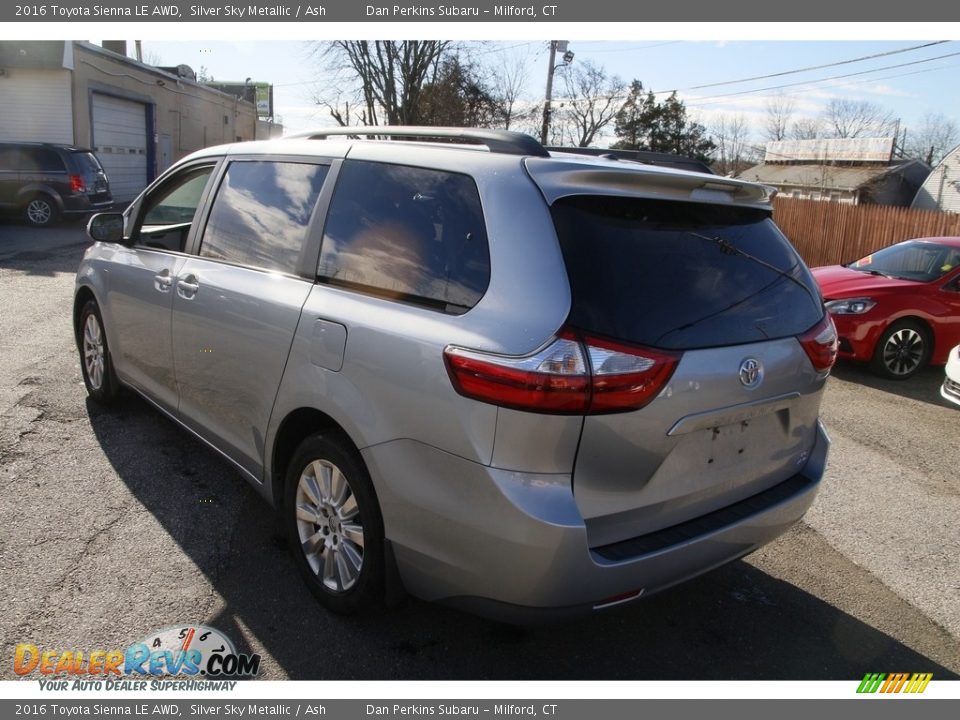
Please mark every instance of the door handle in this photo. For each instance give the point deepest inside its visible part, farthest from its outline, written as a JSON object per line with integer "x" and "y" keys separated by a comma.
{"x": 162, "y": 281}
{"x": 187, "y": 287}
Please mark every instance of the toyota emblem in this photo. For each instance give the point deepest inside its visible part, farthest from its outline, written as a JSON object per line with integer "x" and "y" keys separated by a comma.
{"x": 751, "y": 372}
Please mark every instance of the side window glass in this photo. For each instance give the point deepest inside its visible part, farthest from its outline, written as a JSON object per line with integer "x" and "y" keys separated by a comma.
{"x": 169, "y": 210}
{"x": 177, "y": 202}
{"x": 9, "y": 159}
{"x": 261, "y": 213}
{"x": 42, "y": 160}
{"x": 409, "y": 234}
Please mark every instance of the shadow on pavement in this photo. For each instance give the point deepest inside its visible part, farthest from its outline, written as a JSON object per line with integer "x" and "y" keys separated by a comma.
{"x": 43, "y": 251}
{"x": 924, "y": 386}
{"x": 737, "y": 622}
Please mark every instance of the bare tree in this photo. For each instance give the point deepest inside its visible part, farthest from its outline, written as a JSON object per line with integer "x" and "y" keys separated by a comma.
{"x": 591, "y": 103}
{"x": 806, "y": 128}
{"x": 779, "y": 111}
{"x": 858, "y": 118}
{"x": 152, "y": 57}
{"x": 731, "y": 134}
{"x": 508, "y": 81}
{"x": 386, "y": 76}
{"x": 932, "y": 138}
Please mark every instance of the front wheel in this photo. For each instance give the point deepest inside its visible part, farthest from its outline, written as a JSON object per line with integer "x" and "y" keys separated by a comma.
{"x": 333, "y": 522}
{"x": 902, "y": 351}
{"x": 95, "y": 362}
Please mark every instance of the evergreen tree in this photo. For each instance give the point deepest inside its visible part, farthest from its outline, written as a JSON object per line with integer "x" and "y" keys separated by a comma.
{"x": 645, "y": 124}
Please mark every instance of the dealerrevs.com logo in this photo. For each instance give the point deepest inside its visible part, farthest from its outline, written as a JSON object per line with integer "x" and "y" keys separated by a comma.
{"x": 911, "y": 683}
{"x": 191, "y": 651}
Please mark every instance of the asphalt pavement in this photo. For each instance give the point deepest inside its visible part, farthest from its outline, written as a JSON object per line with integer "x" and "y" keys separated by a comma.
{"x": 113, "y": 524}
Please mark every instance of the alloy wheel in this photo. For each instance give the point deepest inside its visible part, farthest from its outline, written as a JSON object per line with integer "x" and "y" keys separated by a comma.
{"x": 329, "y": 525}
{"x": 903, "y": 351}
{"x": 93, "y": 351}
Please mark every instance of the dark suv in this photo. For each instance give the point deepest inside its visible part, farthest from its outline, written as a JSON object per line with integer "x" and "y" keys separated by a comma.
{"x": 44, "y": 182}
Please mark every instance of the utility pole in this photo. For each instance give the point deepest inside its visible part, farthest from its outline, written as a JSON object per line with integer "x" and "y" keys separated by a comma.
{"x": 555, "y": 45}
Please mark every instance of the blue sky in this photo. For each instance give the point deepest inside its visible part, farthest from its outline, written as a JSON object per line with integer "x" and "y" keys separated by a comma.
{"x": 908, "y": 91}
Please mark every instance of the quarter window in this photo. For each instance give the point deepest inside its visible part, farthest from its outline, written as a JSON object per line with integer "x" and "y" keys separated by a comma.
{"x": 177, "y": 202}
{"x": 169, "y": 210}
{"x": 408, "y": 234}
{"x": 261, "y": 214}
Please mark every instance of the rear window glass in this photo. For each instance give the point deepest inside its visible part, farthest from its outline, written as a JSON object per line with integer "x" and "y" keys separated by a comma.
{"x": 676, "y": 275}
{"x": 86, "y": 162}
{"x": 408, "y": 234}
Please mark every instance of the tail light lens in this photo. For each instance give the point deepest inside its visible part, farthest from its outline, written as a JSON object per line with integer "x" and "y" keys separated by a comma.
{"x": 821, "y": 344}
{"x": 625, "y": 377}
{"x": 77, "y": 184}
{"x": 573, "y": 375}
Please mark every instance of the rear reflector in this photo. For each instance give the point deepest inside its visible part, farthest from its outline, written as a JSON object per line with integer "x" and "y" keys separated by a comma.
{"x": 572, "y": 375}
{"x": 821, "y": 344}
{"x": 76, "y": 183}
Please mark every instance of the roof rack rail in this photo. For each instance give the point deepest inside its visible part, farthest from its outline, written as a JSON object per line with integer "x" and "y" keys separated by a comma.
{"x": 506, "y": 142}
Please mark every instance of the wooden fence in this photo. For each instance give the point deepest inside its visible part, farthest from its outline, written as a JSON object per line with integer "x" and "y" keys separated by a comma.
{"x": 827, "y": 233}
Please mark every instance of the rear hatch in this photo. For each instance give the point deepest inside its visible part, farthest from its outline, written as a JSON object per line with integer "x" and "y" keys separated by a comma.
{"x": 717, "y": 287}
{"x": 95, "y": 183}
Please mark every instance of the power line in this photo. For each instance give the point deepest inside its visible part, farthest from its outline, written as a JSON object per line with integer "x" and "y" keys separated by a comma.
{"x": 696, "y": 103}
{"x": 821, "y": 80}
{"x": 718, "y": 99}
{"x": 700, "y": 100}
{"x": 814, "y": 67}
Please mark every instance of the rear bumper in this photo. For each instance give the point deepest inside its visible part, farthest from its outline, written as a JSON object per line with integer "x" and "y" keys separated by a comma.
{"x": 512, "y": 545}
{"x": 81, "y": 204}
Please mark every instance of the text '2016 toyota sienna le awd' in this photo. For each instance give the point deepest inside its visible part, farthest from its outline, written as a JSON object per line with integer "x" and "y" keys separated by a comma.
{"x": 521, "y": 382}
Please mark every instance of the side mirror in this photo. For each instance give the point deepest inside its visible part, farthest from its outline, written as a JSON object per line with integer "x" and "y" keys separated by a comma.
{"x": 106, "y": 227}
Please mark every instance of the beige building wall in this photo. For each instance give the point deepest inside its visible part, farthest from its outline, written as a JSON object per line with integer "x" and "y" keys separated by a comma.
{"x": 186, "y": 116}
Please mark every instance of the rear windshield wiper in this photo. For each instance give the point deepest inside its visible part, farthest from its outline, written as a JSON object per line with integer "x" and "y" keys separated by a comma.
{"x": 728, "y": 248}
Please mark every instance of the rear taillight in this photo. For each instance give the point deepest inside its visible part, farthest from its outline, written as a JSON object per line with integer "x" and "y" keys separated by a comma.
{"x": 573, "y": 375}
{"x": 626, "y": 377}
{"x": 77, "y": 184}
{"x": 821, "y": 344}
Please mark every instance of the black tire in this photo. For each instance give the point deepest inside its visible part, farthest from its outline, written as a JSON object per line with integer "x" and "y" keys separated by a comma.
{"x": 902, "y": 350}
{"x": 334, "y": 527}
{"x": 95, "y": 362}
{"x": 41, "y": 211}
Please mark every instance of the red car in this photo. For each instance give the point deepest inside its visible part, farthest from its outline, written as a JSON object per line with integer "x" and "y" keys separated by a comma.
{"x": 897, "y": 308}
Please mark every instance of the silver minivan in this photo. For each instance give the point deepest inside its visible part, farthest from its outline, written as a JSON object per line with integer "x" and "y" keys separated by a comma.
{"x": 520, "y": 382}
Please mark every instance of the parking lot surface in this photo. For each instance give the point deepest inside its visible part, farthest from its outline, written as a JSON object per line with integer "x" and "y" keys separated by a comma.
{"x": 114, "y": 524}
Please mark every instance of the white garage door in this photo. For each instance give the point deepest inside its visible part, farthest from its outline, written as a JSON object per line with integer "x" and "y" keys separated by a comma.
{"x": 35, "y": 105}
{"x": 120, "y": 141}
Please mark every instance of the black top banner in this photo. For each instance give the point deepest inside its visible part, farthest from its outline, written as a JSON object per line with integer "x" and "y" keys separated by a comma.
{"x": 579, "y": 11}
